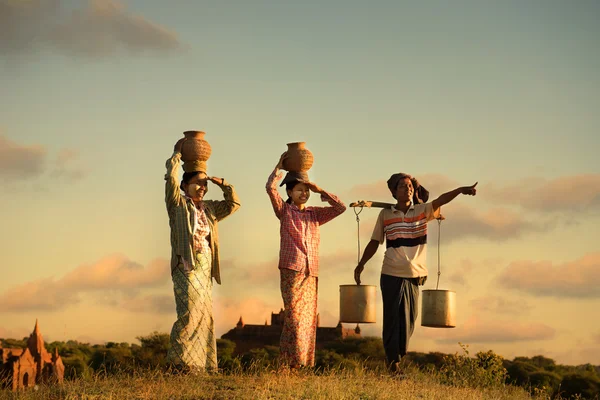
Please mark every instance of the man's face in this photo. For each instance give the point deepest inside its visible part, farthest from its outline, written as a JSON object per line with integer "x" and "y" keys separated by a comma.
{"x": 404, "y": 191}
{"x": 300, "y": 194}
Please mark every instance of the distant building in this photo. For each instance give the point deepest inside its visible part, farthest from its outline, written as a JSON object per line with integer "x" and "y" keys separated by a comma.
{"x": 248, "y": 336}
{"x": 20, "y": 368}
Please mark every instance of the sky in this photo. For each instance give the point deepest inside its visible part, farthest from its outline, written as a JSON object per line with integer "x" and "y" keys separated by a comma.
{"x": 94, "y": 94}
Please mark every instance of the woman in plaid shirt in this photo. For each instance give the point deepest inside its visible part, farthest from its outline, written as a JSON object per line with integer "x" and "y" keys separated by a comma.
{"x": 299, "y": 260}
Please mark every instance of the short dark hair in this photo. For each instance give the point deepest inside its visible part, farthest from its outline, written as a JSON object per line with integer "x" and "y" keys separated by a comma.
{"x": 187, "y": 177}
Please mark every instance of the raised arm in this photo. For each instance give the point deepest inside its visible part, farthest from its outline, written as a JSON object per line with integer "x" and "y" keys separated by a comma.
{"x": 326, "y": 214}
{"x": 172, "y": 191}
{"x": 449, "y": 196}
{"x": 271, "y": 186}
{"x": 224, "y": 208}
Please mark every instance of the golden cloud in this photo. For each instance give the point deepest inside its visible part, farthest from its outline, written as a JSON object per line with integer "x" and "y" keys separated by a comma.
{"x": 574, "y": 279}
{"x": 112, "y": 273}
{"x": 475, "y": 330}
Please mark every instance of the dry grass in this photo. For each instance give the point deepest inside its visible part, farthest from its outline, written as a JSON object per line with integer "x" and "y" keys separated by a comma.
{"x": 330, "y": 385}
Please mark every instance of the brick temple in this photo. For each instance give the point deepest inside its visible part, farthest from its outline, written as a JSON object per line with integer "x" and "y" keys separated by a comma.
{"x": 21, "y": 368}
{"x": 248, "y": 336}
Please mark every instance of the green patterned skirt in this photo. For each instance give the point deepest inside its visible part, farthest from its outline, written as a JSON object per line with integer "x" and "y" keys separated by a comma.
{"x": 193, "y": 341}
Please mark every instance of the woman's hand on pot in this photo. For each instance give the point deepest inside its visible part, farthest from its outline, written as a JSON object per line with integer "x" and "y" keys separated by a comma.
{"x": 281, "y": 160}
{"x": 178, "y": 145}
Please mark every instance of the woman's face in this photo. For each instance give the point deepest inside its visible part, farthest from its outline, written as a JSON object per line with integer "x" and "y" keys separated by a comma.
{"x": 299, "y": 194}
{"x": 197, "y": 187}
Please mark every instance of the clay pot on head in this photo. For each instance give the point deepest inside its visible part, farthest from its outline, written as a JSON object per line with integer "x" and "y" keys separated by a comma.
{"x": 195, "y": 151}
{"x": 299, "y": 158}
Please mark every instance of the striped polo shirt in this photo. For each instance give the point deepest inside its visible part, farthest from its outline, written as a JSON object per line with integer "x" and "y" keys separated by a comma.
{"x": 406, "y": 239}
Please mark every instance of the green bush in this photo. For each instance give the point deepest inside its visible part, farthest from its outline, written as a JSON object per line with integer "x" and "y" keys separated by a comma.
{"x": 544, "y": 382}
{"x": 486, "y": 370}
{"x": 583, "y": 385}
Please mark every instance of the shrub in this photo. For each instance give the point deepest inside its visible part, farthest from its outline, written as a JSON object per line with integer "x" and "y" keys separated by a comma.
{"x": 584, "y": 386}
{"x": 484, "y": 371}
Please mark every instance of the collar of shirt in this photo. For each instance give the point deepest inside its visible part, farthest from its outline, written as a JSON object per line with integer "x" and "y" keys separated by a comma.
{"x": 295, "y": 207}
{"x": 394, "y": 210}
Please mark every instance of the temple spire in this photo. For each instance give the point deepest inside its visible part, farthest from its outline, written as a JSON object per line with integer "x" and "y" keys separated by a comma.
{"x": 35, "y": 343}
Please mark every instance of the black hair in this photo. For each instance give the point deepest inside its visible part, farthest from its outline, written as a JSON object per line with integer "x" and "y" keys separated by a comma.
{"x": 187, "y": 177}
{"x": 290, "y": 186}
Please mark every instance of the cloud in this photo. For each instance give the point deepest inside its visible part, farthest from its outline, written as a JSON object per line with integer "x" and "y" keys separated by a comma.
{"x": 461, "y": 272}
{"x": 102, "y": 28}
{"x": 575, "y": 192}
{"x": 21, "y": 161}
{"x": 499, "y": 305}
{"x": 114, "y": 273}
{"x": 574, "y": 279}
{"x": 497, "y": 224}
{"x": 154, "y": 304}
{"x": 66, "y": 166}
{"x": 475, "y": 330}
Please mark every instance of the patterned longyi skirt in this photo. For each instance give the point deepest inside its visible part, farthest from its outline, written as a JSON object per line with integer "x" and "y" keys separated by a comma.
{"x": 193, "y": 341}
{"x": 299, "y": 292}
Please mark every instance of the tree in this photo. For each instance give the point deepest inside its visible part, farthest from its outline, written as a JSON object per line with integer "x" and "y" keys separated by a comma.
{"x": 586, "y": 386}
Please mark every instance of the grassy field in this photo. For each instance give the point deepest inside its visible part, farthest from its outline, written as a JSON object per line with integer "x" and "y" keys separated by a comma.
{"x": 336, "y": 384}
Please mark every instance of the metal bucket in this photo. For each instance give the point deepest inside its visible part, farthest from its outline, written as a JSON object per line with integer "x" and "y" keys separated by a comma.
{"x": 357, "y": 303}
{"x": 439, "y": 309}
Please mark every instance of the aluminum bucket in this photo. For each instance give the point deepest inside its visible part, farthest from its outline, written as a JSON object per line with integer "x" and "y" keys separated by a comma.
{"x": 357, "y": 303}
{"x": 438, "y": 309}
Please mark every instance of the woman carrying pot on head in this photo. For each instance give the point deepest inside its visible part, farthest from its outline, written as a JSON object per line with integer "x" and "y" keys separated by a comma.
{"x": 194, "y": 262}
{"x": 299, "y": 260}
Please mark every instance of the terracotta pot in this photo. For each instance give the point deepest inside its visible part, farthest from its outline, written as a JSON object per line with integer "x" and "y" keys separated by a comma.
{"x": 299, "y": 159}
{"x": 195, "y": 151}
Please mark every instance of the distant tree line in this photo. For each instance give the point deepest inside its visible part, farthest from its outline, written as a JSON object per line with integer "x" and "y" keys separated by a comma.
{"x": 537, "y": 374}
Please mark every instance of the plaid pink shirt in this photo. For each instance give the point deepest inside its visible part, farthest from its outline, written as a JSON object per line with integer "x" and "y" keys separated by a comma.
{"x": 300, "y": 237}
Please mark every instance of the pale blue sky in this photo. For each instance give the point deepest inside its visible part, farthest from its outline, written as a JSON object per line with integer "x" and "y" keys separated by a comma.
{"x": 462, "y": 91}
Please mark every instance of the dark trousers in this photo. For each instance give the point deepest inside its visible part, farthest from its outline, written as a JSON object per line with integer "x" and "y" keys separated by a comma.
{"x": 400, "y": 311}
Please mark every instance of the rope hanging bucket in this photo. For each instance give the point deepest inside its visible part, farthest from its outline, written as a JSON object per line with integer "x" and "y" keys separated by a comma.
{"x": 438, "y": 307}
{"x": 357, "y": 302}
